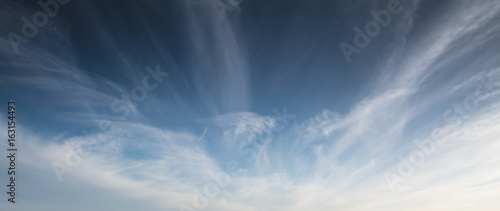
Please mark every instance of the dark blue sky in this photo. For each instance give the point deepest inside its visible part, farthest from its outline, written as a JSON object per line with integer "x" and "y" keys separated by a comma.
{"x": 188, "y": 86}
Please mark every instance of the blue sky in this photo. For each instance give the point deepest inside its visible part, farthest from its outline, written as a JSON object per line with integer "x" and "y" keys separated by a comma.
{"x": 253, "y": 105}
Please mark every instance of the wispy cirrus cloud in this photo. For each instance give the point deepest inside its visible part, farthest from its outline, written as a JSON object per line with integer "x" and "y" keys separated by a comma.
{"x": 331, "y": 160}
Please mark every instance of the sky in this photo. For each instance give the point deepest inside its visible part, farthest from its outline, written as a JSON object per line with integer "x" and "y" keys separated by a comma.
{"x": 251, "y": 105}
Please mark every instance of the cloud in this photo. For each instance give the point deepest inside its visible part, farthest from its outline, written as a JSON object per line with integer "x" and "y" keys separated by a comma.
{"x": 328, "y": 161}
{"x": 222, "y": 77}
